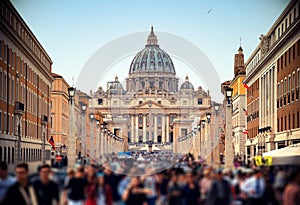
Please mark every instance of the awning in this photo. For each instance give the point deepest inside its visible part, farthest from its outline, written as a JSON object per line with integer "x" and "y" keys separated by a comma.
{"x": 285, "y": 156}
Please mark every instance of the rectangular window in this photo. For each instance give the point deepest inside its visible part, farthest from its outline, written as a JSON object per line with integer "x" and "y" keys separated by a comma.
{"x": 4, "y": 86}
{"x": 294, "y": 51}
{"x": 289, "y": 84}
{"x": 100, "y": 101}
{"x": 4, "y": 125}
{"x": 200, "y": 101}
{"x": 293, "y": 125}
{"x": 12, "y": 90}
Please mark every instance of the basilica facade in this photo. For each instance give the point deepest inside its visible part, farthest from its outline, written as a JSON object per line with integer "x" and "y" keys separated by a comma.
{"x": 153, "y": 108}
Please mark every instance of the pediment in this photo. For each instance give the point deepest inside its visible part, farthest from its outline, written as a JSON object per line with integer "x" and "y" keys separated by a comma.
{"x": 145, "y": 105}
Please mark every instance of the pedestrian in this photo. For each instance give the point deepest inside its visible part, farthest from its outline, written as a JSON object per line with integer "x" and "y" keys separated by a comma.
{"x": 46, "y": 190}
{"x": 205, "y": 184}
{"x": 5, "y": 180}
{"x": 149, "y": 182}
{"x": 254, "y": 188}
{"x": 104, "y": 193}
{"x": 291, "y": 194}
{"x": 91, "y": 186}
{"x": 21, "y": 192}
{"x": 113, "y": 180}
{"x": 75, "y": 191}
{"x": 220, "y": 191}
{"x": 191, "y": 191}
{"x": 135, "y": 194}
{"x": 174, "y": 190}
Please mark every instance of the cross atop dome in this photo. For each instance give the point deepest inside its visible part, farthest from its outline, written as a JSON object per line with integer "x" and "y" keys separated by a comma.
{"x": 152, "y": 39}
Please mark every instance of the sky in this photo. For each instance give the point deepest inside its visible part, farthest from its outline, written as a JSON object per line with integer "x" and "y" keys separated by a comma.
{"x": 71, "y": 31}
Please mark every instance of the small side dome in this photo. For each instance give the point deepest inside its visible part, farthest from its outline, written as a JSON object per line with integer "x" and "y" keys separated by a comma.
{"x": 187, "y": 85}
{"x": 116, "y": 87}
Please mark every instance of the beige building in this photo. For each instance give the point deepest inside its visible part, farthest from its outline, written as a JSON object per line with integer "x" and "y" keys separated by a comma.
{"x": 25, "y": 90}
{"x": 60, "y": 113}
{"x": 153, "y": 109}
{"x": 272, "y": 73}
{"x": 239, "y": 108}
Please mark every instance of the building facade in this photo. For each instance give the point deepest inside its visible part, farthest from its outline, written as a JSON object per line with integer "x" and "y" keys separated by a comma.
{"x": 60, "y": 114}
{"x": 25, "y": 90}
{"x": 239, "y": 110}
{"x": 152, "y": 109}
{"x": 272, "y": 74}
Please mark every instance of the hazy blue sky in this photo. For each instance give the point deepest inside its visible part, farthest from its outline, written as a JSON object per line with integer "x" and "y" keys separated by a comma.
{"x": 72, "y": 30}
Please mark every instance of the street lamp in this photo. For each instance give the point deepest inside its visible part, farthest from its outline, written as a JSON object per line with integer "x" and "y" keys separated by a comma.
{"x": 228, "y": 95}
{"x": 216, "y": 109}
{"x": 208, "y": 115}
{"x": 19, "y": 111}
{"x": 228, "y": 138}
{"x": 44, "y": 121}
{"x": 83, "y": 126}
{"x": 92, "y": 118}
{"x": 71, "y": 138}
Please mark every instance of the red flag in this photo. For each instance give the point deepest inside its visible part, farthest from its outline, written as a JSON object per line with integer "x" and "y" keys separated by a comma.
{"x": 246, "y": 86}
{"x": 245, "y": 131}
{"x": 245, "y": 111}
{"x": 51, "y": 141}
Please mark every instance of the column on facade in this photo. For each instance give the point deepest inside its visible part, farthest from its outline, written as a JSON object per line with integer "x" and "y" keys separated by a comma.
{"x": 132, "y": 136}
{"x": 144, "y": 129}
{"x": 155, "y": 128}
{"x": 102, "y": 141}
{"x": 163, "y": 124}
{"x": 136, "y": 134}
{"x": 167, "y": 129}
{"x": 98, "y": 144}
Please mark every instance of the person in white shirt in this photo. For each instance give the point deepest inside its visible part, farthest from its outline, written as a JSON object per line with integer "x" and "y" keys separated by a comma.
{"x": 254, "y": 187}
{"x": 5, "y": 180}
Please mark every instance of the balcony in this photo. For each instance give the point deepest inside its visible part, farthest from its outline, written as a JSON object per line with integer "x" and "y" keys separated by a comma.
{"x": 19, "y": 108}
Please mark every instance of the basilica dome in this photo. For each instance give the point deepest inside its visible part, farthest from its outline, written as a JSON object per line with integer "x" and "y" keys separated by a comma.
{"x": 187, "y": 85}
{"x": 152, "y": 58}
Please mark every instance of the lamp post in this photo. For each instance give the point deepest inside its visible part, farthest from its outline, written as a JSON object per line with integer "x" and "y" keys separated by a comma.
{"x": 201, "y": 138}
{"x": 209, "y": 136}
{"x": 228, "y": 136}
{"x": 71, "y": 139}
{"x": 19, "y": 110}
{"x": 83, "y": 126}
{"x": 216, "y": 134}
{"x": 92, "y": 136}
{"x": 98, "y": 138}
{"x": 44, "y": 121}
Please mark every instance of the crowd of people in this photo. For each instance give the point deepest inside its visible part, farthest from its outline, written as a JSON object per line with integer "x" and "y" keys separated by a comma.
{"x": 191, "y": 184}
